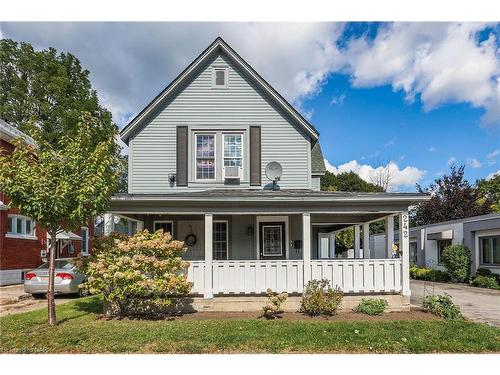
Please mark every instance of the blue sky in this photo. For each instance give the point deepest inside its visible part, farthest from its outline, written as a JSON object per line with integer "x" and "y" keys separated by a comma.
{"x": 415, "y": 95}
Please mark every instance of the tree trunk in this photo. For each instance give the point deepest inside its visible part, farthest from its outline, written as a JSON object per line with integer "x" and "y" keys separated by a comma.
{"x": 52, "y": 263}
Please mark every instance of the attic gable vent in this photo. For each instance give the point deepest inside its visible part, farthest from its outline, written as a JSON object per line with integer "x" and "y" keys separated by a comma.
{"x": 220, "y": 78}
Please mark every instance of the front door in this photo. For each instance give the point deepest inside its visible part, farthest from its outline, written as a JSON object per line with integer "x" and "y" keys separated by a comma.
{"x": 272, "y": 240}
{"x": 326, "y": 245}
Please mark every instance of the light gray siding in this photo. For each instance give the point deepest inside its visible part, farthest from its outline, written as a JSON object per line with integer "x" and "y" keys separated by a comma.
{"x": 201, "y": 107}
{"x": 316, "y": 183}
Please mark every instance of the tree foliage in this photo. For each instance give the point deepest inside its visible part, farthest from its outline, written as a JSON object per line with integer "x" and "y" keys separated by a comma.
{"x": 347, "y": 181}
{"x": 65, "y": 186}
{"x": 129, "y": 270}
{"x": 452, "y": 197}
{"x": 49, "y": 91}
{"x": 490, "y": 192}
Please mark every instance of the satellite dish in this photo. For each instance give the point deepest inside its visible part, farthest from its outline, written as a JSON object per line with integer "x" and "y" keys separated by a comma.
{"x": 274, "y": 171}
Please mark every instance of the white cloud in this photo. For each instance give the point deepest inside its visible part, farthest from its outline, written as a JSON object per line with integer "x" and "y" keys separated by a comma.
{"x": 443, "y": 62}
{"x": 493, "y": 174}
{"x": 432, "y": 149}
{"x": 400, "y": 177}
{"x": 338, "y": 100}
{"x": 493, "y": 154}
{"x": 474, "y": 163}
{"x": 452, "y": 160}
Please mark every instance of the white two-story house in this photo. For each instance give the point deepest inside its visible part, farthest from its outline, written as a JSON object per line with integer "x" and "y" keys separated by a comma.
{"x": 222, "y": 161}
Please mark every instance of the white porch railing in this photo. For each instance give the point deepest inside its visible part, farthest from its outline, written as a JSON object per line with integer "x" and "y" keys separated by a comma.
{"x": 256, "y": 276}
{"x": 360, "y": 275}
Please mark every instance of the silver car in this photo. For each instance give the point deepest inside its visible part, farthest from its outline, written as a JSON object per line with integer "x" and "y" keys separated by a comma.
{"x": 66, "y": 281}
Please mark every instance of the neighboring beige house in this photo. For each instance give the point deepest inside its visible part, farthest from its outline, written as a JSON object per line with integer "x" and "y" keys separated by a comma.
{"x": 222, "y": 161}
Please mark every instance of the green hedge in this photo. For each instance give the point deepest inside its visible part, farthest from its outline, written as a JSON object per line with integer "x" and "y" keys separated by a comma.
{"x": 424, "y": 273}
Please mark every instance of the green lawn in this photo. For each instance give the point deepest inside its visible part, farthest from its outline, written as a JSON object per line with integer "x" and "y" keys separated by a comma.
{"x": 80, "y": 332}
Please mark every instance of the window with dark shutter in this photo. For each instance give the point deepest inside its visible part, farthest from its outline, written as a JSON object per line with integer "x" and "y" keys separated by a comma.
{"x": 182, "y": 156}
{"x": 255, "y": 156}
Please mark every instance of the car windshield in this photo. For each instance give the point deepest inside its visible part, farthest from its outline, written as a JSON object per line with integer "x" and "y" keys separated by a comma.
{"x": 60, "y": 265}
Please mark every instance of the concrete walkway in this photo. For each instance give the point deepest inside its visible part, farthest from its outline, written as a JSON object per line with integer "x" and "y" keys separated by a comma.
{"x": 13, "y": 300}
{"x": 478, "y": 304}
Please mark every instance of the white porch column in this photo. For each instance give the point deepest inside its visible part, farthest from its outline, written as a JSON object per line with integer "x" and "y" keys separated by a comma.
{"x": 357, "y": 241}
{"x": 108, "y": 224}
{"x": 404, "y": 244}
{"x": 366, "y": 240}
{"x": 209, "y": 219}
{"x": 389, "y": 235}
{"x": 306, "y": 246}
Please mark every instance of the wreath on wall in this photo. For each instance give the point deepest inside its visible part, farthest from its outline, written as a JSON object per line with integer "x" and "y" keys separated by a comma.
{"x": 190, "y": 240}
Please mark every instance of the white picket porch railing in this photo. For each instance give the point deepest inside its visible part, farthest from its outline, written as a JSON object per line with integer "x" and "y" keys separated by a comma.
{"x": 360, "y": 275}
{"x": 256, "y": 276}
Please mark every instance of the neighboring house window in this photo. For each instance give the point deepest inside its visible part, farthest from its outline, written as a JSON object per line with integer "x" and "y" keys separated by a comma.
{"x": 20, "y": 226}
{"x": 490, "y": 250}
{"x": 220, "y": 240}
{"x": 220, "y": 78}
{"x": 441, "y": 245}
{"x": 124, "y": 225}
{"x": 85, "y": 240}
{"x": 205, "y": 157}
{"x": 232, "y": 155}
{"x": 413, "y": 253}
{"x": 167, "y": 226}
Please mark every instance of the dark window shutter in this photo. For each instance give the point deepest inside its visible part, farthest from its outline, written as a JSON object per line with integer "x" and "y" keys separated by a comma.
{"x": 255, "y": 156}
{"x": 182, "y": 156}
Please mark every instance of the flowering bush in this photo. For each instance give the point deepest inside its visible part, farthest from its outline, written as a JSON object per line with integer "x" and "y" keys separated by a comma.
{"x": 130, "y": 270}
{"x": 320, "y": 299}
{"x": 273, "y": 307}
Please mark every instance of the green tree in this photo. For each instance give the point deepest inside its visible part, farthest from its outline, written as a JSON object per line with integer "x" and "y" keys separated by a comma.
{"x": 48, "y": 91}
{"x": 347, "y": 181}
{"x": 490, "y": 192}
{"x": 62, "y": 187}
{"x": 452, "y": 197}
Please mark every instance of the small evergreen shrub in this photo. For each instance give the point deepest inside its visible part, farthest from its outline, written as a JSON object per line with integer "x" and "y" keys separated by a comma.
{"x": 371, "y": 306}
{"x": 485, "y": 282}
{"x": 320, "y": 299}
{"x": 457, "y": 260}
{"x": 424, "y": 273}
{"x": 274, "y": 306}
{"x": 443, "y": 306}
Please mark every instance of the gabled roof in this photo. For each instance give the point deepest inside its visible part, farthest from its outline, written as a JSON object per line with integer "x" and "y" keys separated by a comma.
{"x": 218, "y": 45}
{"x": 9, "y": 132}
{"x": 317, "y": 160}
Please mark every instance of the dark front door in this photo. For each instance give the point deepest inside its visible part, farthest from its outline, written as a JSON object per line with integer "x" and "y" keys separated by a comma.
{"x": 272, "y": 240}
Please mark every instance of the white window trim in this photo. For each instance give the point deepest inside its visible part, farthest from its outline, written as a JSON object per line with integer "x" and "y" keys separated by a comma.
{"x": 13, "y": 234}
{"x": 226, "y": 77}
{"x": 196, "y": 157}
{"x": 242, "y": 153}
{"x": 85, "y": 253}
{"x": 264, "y": 219}
{"x": 227, "y": 236}
{"x": 164, "y": 222}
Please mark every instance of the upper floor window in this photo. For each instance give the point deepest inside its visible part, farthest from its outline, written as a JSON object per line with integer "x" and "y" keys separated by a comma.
{"x": 232, "y": 155}
{"x": 205, "y": 157}
{"x": 19, "y": 225}
{"x": 219, "y": 78}
{"x": 490, "y": 250}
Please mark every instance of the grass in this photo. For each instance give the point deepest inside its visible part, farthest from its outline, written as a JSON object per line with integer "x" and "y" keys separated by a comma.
{"x": 79, "y": 331}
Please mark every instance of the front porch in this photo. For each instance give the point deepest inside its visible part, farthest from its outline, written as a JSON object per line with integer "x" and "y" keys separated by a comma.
{"x": 260, "y": 247}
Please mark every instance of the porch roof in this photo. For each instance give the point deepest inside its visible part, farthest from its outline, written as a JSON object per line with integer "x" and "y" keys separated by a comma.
{"x": 264, "y": 201}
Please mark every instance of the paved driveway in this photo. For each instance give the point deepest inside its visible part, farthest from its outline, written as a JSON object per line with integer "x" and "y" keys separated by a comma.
{"x": 13, "y": 300}
{"x": 478, "y": 304}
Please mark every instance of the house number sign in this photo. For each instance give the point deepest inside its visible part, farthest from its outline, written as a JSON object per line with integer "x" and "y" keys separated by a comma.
{"x": 405, "y": 226}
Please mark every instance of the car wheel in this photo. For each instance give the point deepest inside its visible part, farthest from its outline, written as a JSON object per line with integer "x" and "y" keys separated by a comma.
{"x": 38, "y": 296}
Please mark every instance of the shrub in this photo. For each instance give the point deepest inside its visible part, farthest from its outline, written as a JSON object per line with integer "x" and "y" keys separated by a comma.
{"x": 128, "y": 271}
{"x": 320, "y": 299}
{"x": 457, "y": 260}
{"x": 485, "y": 282}
{"x": 443, "y": 306}
{"x": 483, "y": 272}
{"x": 423, "y": 273}
{"x": 273, "y": 307}
{"x": 371, "y": 306}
